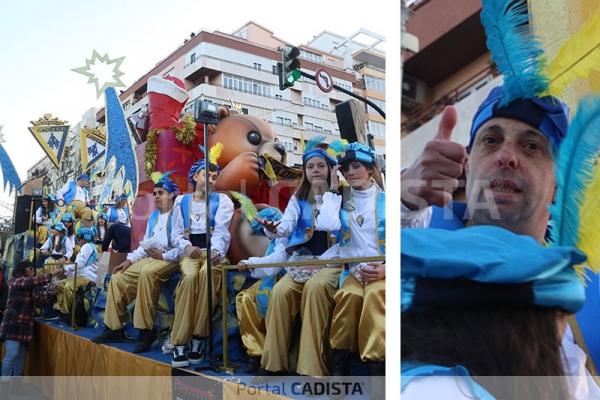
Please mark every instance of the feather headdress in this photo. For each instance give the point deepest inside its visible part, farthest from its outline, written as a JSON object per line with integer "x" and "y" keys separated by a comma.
{"x": 247, "y": 206}
{"x": 575, "y": 214}
{"x": 515, "y": 51}
{"x": 9, "y": 173}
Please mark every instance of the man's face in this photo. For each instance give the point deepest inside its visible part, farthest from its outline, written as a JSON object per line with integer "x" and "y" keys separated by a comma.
{"x": 510, "y": 176}
{"x": 161, "y": 198}
{"x": 200, "y": 178}
{"x": 83, "y": 182}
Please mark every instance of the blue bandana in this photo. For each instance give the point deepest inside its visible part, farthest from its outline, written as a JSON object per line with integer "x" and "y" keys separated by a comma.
{"x": 168, "y": 184}
{"x": 103, "y": 215}
{"x": 87, "y": 234}
{"x": 197, "y": 167}
{"x": 59, "y": 226}
{"x": 318, "y": 152}
{"x": 547, "y": 114}
{"x": 121, "y": 197}
{"x": 270, "y": 214}
{"x": 357, "y": 152}
{"x": 486, "y": 265}
{"x": 51, "y": 198}
{"x": 68, "y": 217}
{"x": 83, "y": 176}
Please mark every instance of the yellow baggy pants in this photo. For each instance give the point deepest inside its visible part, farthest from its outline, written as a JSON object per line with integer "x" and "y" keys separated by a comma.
{"x": 314, "y": 301}
{"x": 251, "y": 323}
{"x": 66, "y": 294}
{"x": 359, "y": 319}
{"x": 143, "y": 278}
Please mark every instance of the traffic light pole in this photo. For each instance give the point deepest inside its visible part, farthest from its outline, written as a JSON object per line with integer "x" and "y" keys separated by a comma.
{"x": 349, "y": 93}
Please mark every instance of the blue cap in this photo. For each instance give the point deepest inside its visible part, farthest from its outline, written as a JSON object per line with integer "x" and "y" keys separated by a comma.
{"x": 318, "y": 152}
{"x": 121, "y": 197}
{"x": 270, "y": 214}
{"x": 547, "y": 114}
{"x": 68, "y": 217}
{"x": 476, "y": 266}
{"x": 103, "y": 215}
{"x": 87, "y": 234}
{"x": 51, "y": 197}
{"x": 59, "y": 226}
{"x": 83, "y": 176}
{"x": 357, "y": 152}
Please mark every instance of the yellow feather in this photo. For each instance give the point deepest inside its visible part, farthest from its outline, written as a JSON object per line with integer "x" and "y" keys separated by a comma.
{"x": 269, "y": 171}
{"x": 589, "y": 217}
{"x": 155, "y": 176}
{"x": 577, "y": 57}
{"x": 215, "y": 152}
{"x": 302, "y": 142}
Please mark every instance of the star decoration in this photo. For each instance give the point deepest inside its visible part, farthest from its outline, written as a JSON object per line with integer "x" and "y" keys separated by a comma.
{"x": 98, "y": 71}
{"x": 2, "y": 135}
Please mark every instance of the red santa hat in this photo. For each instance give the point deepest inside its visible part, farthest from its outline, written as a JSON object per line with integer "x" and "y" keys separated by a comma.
{"x": 169, "y": 86}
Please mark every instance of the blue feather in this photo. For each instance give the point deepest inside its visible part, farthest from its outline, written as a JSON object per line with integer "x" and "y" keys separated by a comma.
{"x": 9, "y": 173}
{"x": 118, "y": 140}
{"x": 314, "y": 142}
{"x": 574, "y": 170}
{"x": 515, "y": 51}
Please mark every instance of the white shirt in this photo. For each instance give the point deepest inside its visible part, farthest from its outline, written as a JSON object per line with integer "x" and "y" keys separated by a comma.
{"x": 90, "y": 271}
{"x": 279, "y": 254}
{"x": 66, "y": 251}
{"x": 220, "y": 237}
{"x": 122, "y": 216}
{"x": 80, "y": 193}
{"x": 292, "y": 214}
{"x": 580, "y": 383}
{"x": 160, "y": 235}
{"x": 363, "y": 223}
{"x": 40, "y": 221}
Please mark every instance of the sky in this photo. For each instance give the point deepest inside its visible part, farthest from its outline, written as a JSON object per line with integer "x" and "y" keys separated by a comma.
{"x": 41, "y": 41}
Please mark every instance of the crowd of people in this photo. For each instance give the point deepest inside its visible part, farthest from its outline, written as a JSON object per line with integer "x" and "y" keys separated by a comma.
{"x": 341, "y": 307}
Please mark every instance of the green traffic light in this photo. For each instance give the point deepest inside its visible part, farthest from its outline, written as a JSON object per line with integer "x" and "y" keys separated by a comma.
{"x": 294, "y": 76}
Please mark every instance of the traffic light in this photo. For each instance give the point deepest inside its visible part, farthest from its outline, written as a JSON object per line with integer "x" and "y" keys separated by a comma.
{"x": 289, "y": 72}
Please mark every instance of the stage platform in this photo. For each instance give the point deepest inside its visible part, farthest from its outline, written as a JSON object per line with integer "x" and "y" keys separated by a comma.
{"x": 63, "y": 363}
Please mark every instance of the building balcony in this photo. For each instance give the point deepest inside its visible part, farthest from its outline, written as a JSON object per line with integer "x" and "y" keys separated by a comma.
{"x": 449, "y": 38}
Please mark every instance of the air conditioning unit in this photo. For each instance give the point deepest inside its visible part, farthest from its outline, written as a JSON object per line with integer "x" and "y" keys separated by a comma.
{"x": 413, "y": 92}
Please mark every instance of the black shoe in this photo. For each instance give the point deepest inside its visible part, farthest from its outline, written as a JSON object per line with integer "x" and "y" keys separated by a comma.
{"x": 179, "y": 358}
{"x": 376, "y": 368}
{"x": 144, "y": 342}
{"x": 340, "y": 363}
{"x": 253, "y": 365}
{"x": 110, "y": 336}
{"x": 196, "y": 349}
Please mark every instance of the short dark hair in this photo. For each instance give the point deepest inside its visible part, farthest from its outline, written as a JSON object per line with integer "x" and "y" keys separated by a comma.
{"x": 21, "y": 268}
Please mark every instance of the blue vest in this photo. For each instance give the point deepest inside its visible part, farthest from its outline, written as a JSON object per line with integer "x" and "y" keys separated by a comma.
{"x": 345, "y": 234}
{"x": 266, "y": 286}
{"x": 412, "y": 370}
{"x": 304, "y": 226}
{"x": 52, "y": 215}
{"x": 114, "y": 216}
{"x": 152, "y": 223}
{"x": 186, "y": 208}
{"x": 93, "y": 257}
{"x": 70, "y": 195}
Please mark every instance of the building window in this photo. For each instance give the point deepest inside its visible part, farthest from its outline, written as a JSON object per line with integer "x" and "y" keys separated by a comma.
{"x": 246, "y": 85}
{"x": 376, "y": 84}
{"x": 279, "y": 97}
{"x": 309, "y": 126}
{"x": 257, "y": 66}
{"x": 275, "y": 71}
{"x": 378, "y": 103}
{"x": 193, "y": 58}
{"x": 279, "y": 120}
{"x": 377, "y": 128}
{"x": 126, "y": 105}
